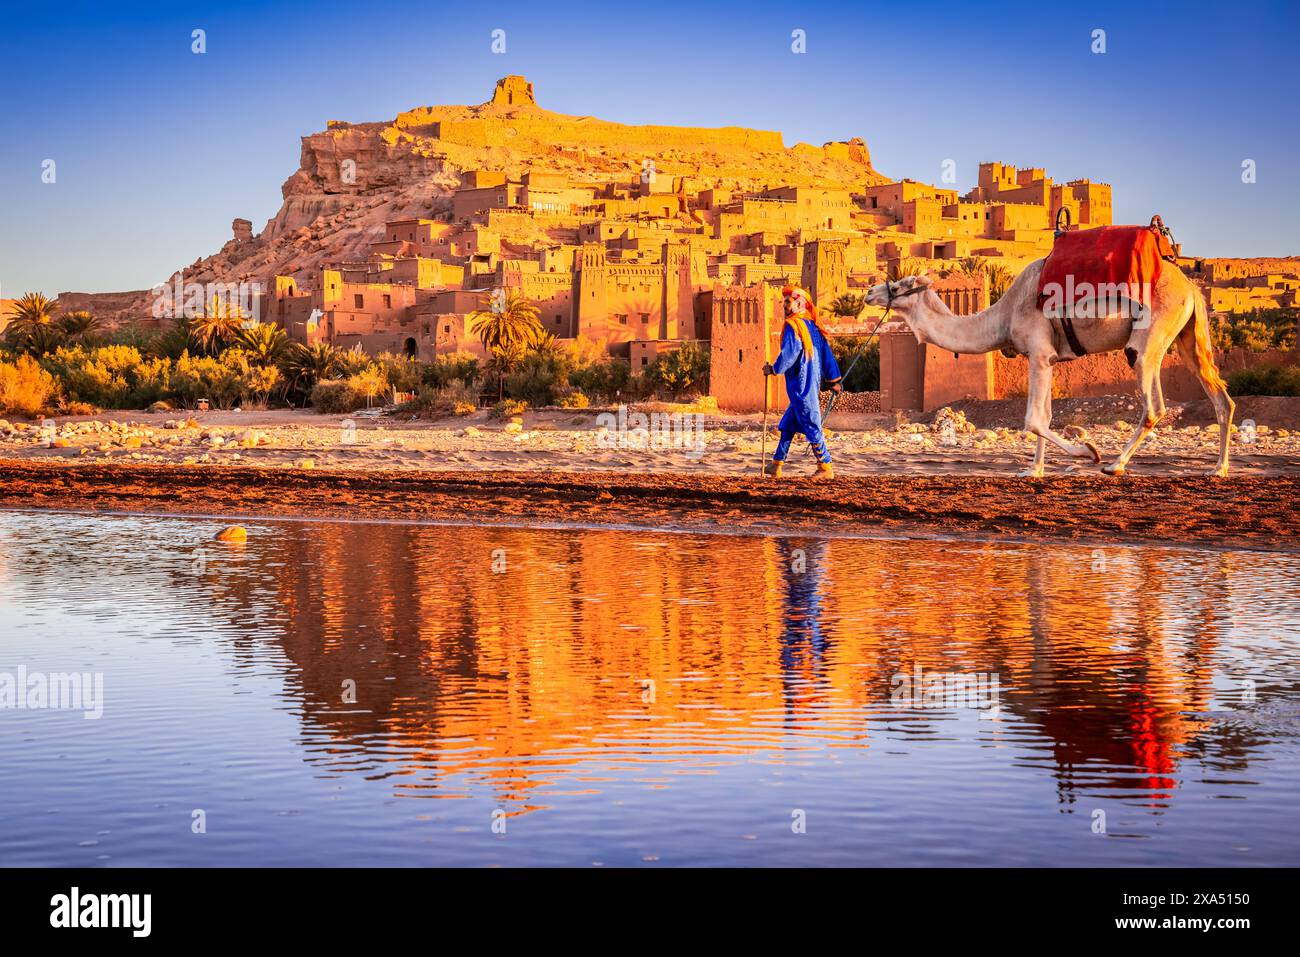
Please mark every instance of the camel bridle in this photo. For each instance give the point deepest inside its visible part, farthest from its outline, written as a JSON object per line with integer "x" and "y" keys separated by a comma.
{"x": 890, "y": 296}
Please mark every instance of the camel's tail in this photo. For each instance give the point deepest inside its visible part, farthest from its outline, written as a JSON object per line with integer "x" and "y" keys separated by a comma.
{"x": 1196, "y": 339}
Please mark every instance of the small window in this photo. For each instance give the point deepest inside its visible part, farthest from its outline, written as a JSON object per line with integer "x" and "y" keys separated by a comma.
{"x": 740, "y": 355}
{"x": 388, "y": 301}
{"x": 645, "y": 317}
{"x": 359, "y": 301}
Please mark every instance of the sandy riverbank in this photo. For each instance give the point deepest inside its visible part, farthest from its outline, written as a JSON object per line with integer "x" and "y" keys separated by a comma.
{"x": 954, "y": 475}
{"x": 983, "y": 439}
{"x": 1244, "y": 512}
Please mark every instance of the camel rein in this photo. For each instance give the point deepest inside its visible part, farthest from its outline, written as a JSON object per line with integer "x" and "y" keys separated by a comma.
{"x": 889, "y": 305}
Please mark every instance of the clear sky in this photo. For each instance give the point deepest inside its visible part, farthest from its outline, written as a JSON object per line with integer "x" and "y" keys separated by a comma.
{"x": 157, "y": 148}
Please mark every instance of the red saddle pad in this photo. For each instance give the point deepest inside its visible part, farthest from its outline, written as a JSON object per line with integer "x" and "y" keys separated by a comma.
{"x": 1085, "y": 259}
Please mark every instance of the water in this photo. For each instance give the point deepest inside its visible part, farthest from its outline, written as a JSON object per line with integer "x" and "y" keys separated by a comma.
{"x": 646, "y": 698}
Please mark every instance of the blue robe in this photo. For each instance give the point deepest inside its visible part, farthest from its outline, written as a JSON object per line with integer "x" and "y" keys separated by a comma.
{"x": 807, "y": 363}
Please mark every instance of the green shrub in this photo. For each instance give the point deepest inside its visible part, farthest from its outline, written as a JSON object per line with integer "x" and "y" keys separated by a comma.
{"x": 25, "y": 388}
{"x": 455, "y": 398}
{"x": 538, "y": 376}
{"x": 109, "y": 377}
{"x": 685, "y": 368}
{"x": 171, "y": 343}
{"x": 403, "y": 373}
{"x": 507, "y": 408}
{"x": 1256, "y": 331}
{"x": 227, "y": 380}
{"x": 456, "y": 366}
{"x": 574, "y": 400}
{"x": 866, "y": 374}
{"x": 361, "y": 390}
{"x": 607, "y": 378}
{"x": 129, "y": 334}
{"x": 351, "y": 362}
{"x": 1265, "y": 380}
{"x": 330, "y": 396}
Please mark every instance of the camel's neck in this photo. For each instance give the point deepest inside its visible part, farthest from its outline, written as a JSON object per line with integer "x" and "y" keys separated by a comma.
{"x": 933, "y": 322}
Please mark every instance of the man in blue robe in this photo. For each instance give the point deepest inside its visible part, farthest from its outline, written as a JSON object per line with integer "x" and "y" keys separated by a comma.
{"x": 808, "y": 365}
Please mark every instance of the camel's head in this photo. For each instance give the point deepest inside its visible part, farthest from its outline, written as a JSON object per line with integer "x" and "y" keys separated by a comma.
{"x": 899, "y": 292}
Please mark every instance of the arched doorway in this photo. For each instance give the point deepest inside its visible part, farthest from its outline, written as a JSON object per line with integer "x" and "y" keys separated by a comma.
{"x": 412, "y": 349}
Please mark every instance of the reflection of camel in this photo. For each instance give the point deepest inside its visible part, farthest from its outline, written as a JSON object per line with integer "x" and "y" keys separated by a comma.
{"x": 1016, "y": 321}
{"x": 1108, "y": 689}
{"x": 599, "y": 646}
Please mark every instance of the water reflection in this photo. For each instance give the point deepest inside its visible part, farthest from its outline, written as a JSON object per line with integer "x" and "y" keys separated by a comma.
{"x": 538, "y": 665}
{"x": 1109, "y": 660}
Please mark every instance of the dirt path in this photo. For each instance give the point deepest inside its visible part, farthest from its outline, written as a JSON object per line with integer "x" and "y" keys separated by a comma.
{"x": 1243, "y": 512}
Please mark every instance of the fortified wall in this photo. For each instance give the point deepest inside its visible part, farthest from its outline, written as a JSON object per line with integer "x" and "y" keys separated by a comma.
{"x": 512, "y": 118}
{"x": 922, "y": 377}
{"x": 518, "y": 131}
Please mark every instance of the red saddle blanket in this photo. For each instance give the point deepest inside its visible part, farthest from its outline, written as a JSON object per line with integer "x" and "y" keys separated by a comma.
{"x": 1102, "y": 263}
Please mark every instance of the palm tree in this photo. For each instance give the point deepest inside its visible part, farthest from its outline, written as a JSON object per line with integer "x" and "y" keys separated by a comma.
{"x": 33, "y": 308}
{"x": 973, "y": 266}
{"x": 503, "y": 361}
{"x": 43, "y": 339}
{"x": 999, "y": 279}
{"x": 545, "y": 344}
{"x": 350, "y": 362}
{"x": 78, "y": 325}
{"x": 304, "y": 366}
{"x": 506, "y": 325}
{"x": 847, "y": 305}
{"x": 264, "y": 342}
{"x": 506, "y": 330}
{"x": 172, "y": 341}
{"x": 31, "y": 325}
{"x": 218, "y": 327}
{"x": 905, "y": 267}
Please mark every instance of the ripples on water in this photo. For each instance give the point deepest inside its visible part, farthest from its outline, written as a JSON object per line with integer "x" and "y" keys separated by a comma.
{"x": 622, "y": 697}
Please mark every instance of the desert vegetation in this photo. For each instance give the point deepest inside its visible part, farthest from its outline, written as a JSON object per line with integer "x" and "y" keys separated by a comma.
{"x": 69, "y": 365}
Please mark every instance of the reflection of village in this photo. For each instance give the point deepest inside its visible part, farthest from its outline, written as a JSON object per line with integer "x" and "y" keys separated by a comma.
{"x": 517, "y": 679}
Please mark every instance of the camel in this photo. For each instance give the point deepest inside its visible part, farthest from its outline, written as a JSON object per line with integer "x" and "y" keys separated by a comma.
{"x": 1177, "y": 315}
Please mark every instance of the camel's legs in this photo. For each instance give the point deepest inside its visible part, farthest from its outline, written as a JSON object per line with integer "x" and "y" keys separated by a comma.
{"x": 1040, "y": 455}
{"x": 1160, "y": 389}
{"x": 1038, "y": 417}
{"x": 1035, "y": 470}
{"x": 1147, "y": 372}
{"x": 1196, "y": 352}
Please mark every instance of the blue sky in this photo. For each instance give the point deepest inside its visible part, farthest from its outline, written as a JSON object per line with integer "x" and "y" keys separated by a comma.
{"x": 158, "y": 149}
